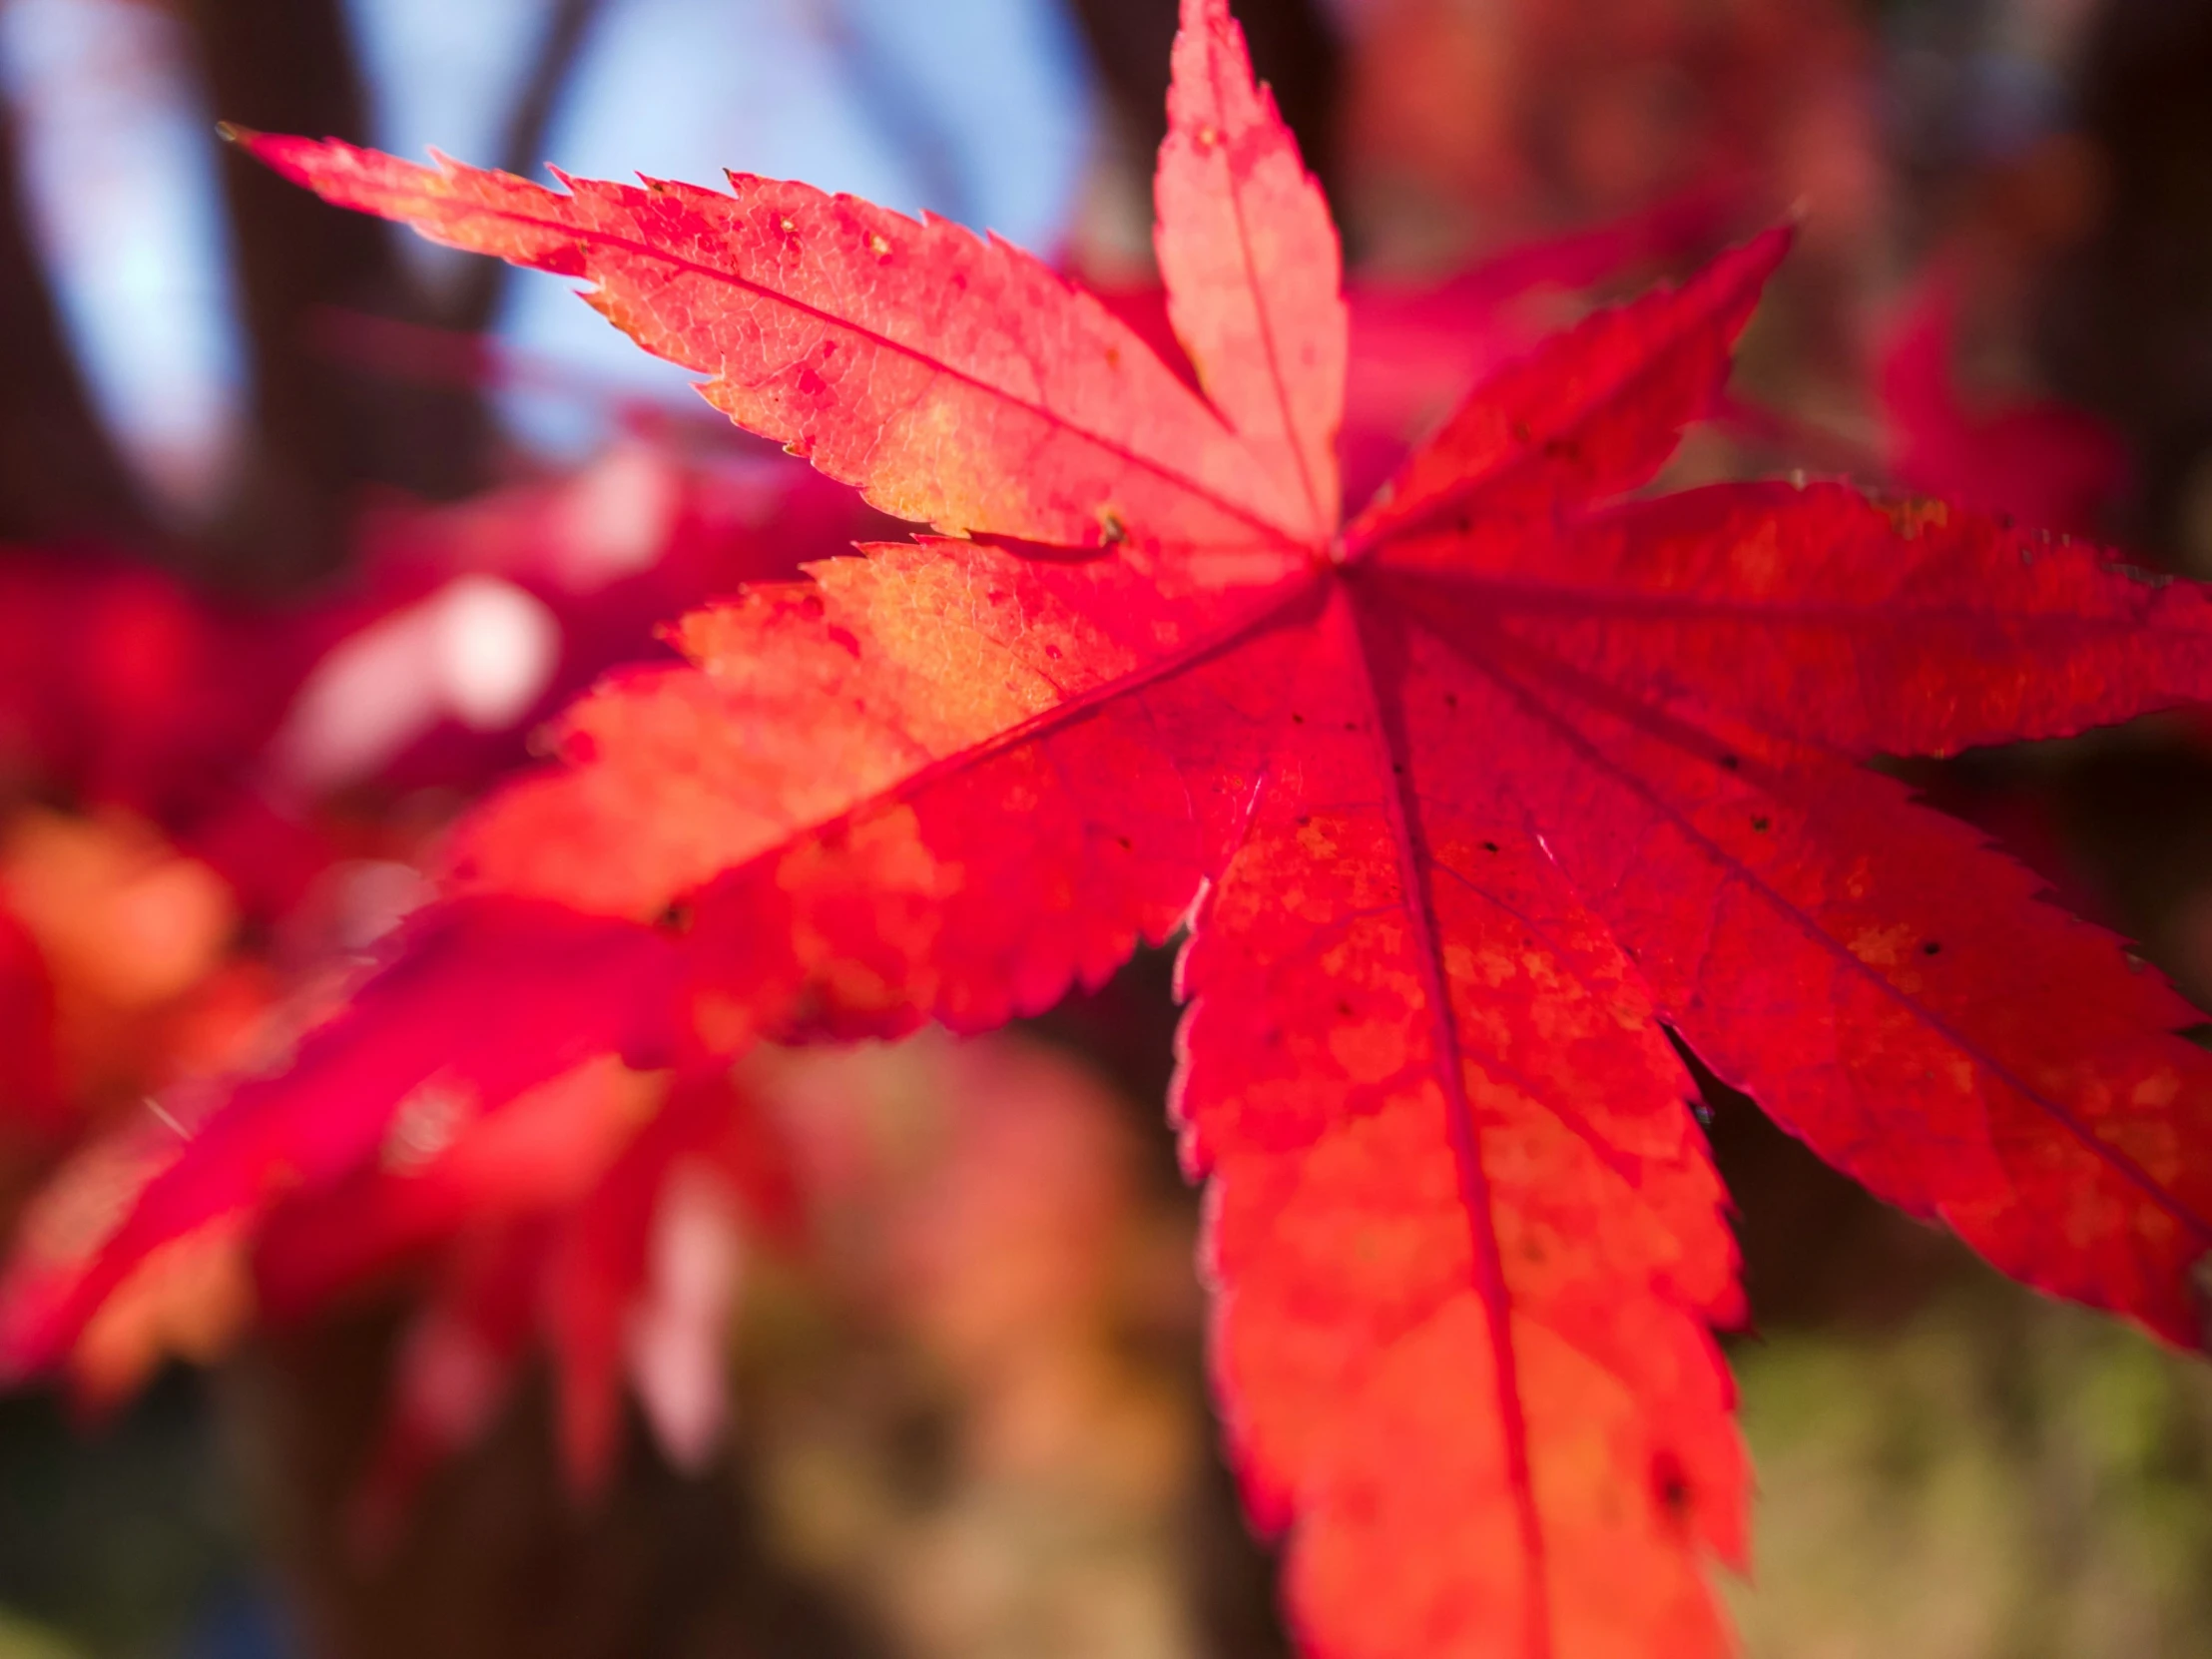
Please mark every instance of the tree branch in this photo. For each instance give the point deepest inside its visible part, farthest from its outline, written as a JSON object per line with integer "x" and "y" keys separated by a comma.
{"x": 522, "y": 148}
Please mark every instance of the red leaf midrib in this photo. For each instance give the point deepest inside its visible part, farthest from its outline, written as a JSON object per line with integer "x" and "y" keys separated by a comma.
{"x": 1401, "y": 806}
{"x": 1291, "y": 431}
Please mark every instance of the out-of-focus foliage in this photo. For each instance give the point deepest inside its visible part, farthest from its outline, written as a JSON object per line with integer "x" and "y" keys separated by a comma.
{"x": 1992, "y": 1476}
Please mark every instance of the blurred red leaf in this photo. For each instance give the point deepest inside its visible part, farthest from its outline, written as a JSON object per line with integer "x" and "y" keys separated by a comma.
{"x": 29, "y": 1095}
{"x": 641, "y": 1224}
{"x": 544, "y": 1150}
{"x": 121, "y": 686}
{"x": 394, "y": 1079}
{"x": 623, "y": 1252}
{"x": 2044, "y": 462}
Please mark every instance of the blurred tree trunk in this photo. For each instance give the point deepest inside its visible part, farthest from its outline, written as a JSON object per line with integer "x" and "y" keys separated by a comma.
{"x": 473, "y": 300}
{"x": 499, "y": 1561}
{"x": 61, "y": 475}
{"x": 322, "y": 428}
{"x": 2129, "y": 320}
{"x": 319, "y": 429}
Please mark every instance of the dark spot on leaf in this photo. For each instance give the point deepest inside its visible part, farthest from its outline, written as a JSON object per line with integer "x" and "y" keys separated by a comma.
{"x": 807, "y": 1007}
{"x": 2137, "y": 574}
{"x": 1111, "y": 531}
{"x": 1932, "y": 948}
{"x": 1127, "y": 845}
{"x": 1303, "y": 819}
{"x": 1452, "y": 699}
{"x": 677, "y": 919}
{"x": 1669, "y": 1486}
{"x": 1730, "y": 762}
{"x": 2200, "y": 1294}
{"x": 1760, "y": 825}
{"x": 1489, "y": 846}
{"x": 1344, "y": 1008}
{"x": 1297, "y": 720}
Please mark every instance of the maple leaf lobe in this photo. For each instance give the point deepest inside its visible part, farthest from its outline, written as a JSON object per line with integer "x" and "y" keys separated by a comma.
{"x": 961, "y": 384}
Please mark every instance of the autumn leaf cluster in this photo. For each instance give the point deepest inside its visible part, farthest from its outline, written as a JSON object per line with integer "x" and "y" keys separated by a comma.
{"x": 1475, "y": 803}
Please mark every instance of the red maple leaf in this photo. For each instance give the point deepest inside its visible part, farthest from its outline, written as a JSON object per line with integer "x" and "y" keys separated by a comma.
{"x": 1477, "y": 796}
